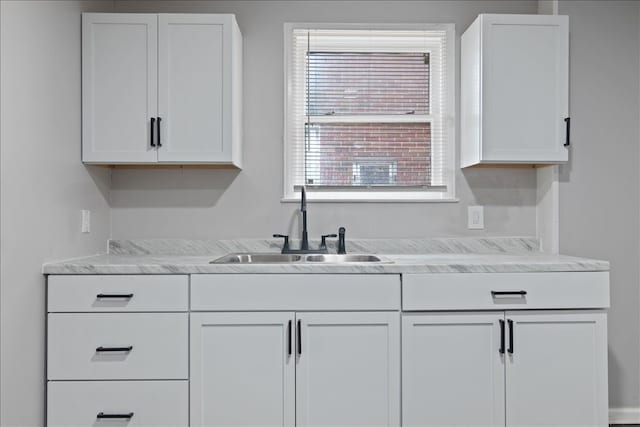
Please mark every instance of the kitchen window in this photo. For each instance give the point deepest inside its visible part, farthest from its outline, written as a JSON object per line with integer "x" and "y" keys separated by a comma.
{"x": 369, "y": 112}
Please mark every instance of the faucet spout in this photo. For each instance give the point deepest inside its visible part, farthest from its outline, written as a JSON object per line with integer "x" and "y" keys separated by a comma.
{"x": 303, "y": 208}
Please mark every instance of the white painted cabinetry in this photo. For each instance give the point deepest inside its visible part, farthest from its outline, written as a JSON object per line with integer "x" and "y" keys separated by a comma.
{"x": 161, "y": 89}
{"x": 513, "y": 367}
{"x": 508, "y": 349}
{"x": 306, "y": 368}
{"x": 348, "y": 370}
{"x": 556, "y": 368}
{"x": 242, "y": 369}
{"x": 117, "y": 351}
{"x": 452, "y": 371}
{"x": 514, "y": 90}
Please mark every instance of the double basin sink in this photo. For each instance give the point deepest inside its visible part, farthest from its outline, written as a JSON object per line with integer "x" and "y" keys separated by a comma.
{"x": 268, "y": 258}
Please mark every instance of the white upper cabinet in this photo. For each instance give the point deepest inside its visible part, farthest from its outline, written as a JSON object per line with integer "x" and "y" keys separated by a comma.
{"x": 514, "y": 90}
{"x": 162, "y": 89}
{"x": 119, "y": 81}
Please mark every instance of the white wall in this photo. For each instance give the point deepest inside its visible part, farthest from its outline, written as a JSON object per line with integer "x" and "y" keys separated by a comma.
{"x": 43, "y": 185}
{"x": 600, "y": 187}
{"x": 224, "y": 204}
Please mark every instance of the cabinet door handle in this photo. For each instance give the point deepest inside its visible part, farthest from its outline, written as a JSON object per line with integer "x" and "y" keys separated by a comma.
{"x": 114, "y": 349}
{"x": 102, "y": 415}
{"x": 114, "y": 296}
{"x": 153, "y": 129}
{"x": 159, "y": 143}
{"x": 567, "y": 125}
{"x": 299, "y": 337}
{"x": 501, "y": 336}
{"x": 289, "y": 349}
{"x": 510, "y": 322}
{"x": 505, "y": 293}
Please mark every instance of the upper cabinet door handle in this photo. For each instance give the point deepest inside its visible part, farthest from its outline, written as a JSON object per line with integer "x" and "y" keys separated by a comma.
{"x": 159, "y": 143}
{"x": 567, "y": 123}
{"x": 153, "y": 129}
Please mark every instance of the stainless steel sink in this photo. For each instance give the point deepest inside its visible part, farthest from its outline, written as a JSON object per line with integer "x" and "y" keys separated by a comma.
{"x": 272, "y": 258}
{"x": 338, "y": 259}
{"x": 256, "y": 258}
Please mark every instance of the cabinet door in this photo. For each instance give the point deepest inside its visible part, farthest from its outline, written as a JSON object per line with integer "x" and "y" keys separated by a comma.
{"x": 348, "y": 369}
{"x": 556, "y": 369}
{"x": 194, "y": 88}
{"x": 526, "y": 84}
{"x": 452, "y": 369}
{"x": 241, "y": 371}
{"x": 119, "y": 81}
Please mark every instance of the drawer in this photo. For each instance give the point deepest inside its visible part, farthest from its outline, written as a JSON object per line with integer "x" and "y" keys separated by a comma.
{"x": 159, "y": 346}
{"x": 211, "y": 292}
{"x": 152, "y": 403}
{"x": 505, "y": 291}
{"x": 118, "y": 293}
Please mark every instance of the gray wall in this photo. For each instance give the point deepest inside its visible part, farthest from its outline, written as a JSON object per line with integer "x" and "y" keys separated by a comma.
{"x": 599, "y": 188}
{"x": 43, "y": 185}
{"x": 222, "y": 204}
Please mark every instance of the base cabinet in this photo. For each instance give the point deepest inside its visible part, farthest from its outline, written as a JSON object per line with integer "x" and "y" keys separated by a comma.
{"x": 303, "y": 369}
{"x": 118, "y": 403}
{"x": 452, "y": 372}
{"x": 242, "y": 369}
{"x": 556, "y": 369}
{"x": 529, "y": 368}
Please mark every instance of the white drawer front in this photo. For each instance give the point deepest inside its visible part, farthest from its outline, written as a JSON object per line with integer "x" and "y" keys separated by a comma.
{"x": 153, "y": 403}
{"x": 505, "y": 291}
{"x": 118, "y": 293}
{"x": 211, "y": 292}
{"x": 159, "y": 346}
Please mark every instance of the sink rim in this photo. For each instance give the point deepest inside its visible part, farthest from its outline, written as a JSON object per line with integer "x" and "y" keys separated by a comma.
{"x": 260, "y": 258}
{"x": 266, "y": 258}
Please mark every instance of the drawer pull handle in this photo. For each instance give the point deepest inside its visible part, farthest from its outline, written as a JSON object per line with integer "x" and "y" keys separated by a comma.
{"x": 114, "y": 296}
{"x": 501, "y": 293}
{"x": 113, "y": 349}
{"x": 102, "y": 415}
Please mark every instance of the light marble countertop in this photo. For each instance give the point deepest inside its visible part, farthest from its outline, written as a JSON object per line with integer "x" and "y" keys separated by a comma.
{"x": 394, "y": 264}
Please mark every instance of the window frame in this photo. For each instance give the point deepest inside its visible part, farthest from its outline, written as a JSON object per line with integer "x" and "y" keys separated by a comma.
{"x": 375, "y": 194}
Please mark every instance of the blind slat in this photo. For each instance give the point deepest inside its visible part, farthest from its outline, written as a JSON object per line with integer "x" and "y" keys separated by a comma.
{"x": 358, "y": 75}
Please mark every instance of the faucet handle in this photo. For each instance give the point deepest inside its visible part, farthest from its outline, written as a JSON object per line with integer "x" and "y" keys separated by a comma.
{"x": 285, "y": 246}
{"x": 341, "y": 244}
{"x": 323, "y": 242}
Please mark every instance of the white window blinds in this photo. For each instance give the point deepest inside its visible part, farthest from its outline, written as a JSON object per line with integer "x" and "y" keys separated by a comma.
{"x": 366, "y": 112}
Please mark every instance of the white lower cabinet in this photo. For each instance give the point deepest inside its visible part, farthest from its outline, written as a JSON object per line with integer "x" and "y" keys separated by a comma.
{"x": 452, "y": 371}
{"x": 324, "y": 350}
{"x": 118, "y": 403}
{"x": 348, "y": 370}
{"x": 303, "y": 369}
{"x": 556, "y": 369}
{"x": 513, "y": 368}
{"x": 242, "y": 369}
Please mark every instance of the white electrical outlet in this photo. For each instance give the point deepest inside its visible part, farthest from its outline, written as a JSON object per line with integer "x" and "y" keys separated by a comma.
{"x": 86, "y": 221}
{"x": 475, "y": 217}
